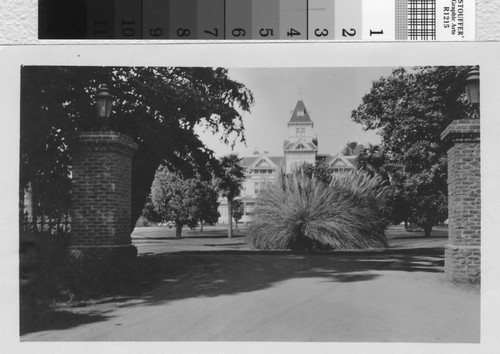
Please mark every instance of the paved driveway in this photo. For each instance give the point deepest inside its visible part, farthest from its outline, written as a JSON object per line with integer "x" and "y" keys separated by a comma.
{"x": 217, "y": 290}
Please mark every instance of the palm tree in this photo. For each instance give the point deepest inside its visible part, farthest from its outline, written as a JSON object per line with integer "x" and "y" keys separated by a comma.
{"x": 230, "y": 184}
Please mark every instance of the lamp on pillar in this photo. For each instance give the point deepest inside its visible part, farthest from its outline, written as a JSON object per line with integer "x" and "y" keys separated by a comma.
{"x": 104, "y": 103}
{"x": 462, "y": 136}
{"x": 472, "y": 90}
{"x": 101, "y": 190}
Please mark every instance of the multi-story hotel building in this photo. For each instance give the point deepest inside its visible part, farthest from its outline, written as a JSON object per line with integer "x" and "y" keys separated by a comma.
{"x": 299, "y": 148}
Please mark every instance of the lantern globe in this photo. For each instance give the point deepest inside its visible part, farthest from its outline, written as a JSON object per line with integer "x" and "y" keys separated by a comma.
{"x": 472, "y": 85}
{"x": 103, "y": 101}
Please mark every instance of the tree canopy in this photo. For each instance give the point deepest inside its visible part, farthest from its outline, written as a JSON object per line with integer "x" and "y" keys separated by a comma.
{"x": 158, "y": 107}
{"x": 186, "y": 201}
{"x": 230, "y": 184}
{"x": 410, "y": 109}
{"x": 238, "y": 211}
{"x": 349, "y": 148}
{"x": 373, "y": 160}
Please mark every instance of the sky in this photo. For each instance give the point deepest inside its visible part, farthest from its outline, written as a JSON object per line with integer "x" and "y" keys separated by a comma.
{"x": 329, "y": 94}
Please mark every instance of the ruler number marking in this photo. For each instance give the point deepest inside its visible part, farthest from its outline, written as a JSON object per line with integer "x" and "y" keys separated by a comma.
{"x": 183, "y": 32}
{"x": 155, "y": 32}
{"x": 321, "y": 33}
{"x": 128, "y": 31}
{"x": 215, "y": 33}
{"x": 376, "y": 32}
{"x": 349, "y": 33}
{"x": 264, "y": 32}
{"x": 292, "y": 32}
{"x": 239, "y": 32}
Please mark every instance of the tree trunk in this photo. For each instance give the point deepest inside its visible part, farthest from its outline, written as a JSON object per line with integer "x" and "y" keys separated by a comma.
{"x": 427, "y": 230}
{"x": 230, "y": 218}
{"x": 406, "y": 224}
{"x": 236, "y": 225}
{"x": 201, "y": 227}
{"x": 178, "y": 230}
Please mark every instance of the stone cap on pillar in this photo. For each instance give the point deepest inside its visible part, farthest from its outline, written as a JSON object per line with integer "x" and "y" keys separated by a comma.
{"x": 108, "y": 140}
{"x": 461, "y": 130}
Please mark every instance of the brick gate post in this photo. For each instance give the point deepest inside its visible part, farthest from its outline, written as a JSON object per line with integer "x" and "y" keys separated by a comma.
{"x": 463, "y": 252}
{"x": 101, "y": 197}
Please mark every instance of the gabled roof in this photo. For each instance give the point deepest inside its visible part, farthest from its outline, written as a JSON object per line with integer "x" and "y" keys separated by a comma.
{"x": 248, "y": 160}
{"x": 300, "y": 145}
{"x": 342, "y": 161}
{"x": 251, "y": 161}
{"x": 352, "y": 160}
{"x": 300, "y": 114}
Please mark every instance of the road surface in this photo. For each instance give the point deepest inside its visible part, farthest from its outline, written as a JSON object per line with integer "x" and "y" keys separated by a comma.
{"x": 217, "y": 290}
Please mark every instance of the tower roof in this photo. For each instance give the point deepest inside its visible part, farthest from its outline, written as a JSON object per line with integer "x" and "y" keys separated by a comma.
{"x": 300, "y": 114}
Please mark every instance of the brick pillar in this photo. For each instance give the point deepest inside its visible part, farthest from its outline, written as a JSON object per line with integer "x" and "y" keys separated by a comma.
{"x": 463, "y": 252}
{"x": 101, "y": 194}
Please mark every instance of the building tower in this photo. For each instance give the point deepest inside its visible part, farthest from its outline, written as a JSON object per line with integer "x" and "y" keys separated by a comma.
{"x": 300, "y": 147}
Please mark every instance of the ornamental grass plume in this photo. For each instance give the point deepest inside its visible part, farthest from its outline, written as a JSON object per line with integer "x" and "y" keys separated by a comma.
{"x": 302, "y": 213}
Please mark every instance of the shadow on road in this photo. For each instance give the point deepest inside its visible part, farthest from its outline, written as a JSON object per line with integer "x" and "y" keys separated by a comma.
{"x": 214, "y": 273}
{"x": 191, "y": 274}
{"x": 56, "y": 320}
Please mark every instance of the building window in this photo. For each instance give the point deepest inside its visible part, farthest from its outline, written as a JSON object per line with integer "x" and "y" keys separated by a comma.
{"x": 297, "y": 131}
{"x": 303, "y": 131}
{"x": 257, "y": 187}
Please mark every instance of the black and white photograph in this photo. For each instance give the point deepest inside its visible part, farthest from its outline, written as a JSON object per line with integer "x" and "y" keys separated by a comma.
{"x": 257, "y": 203}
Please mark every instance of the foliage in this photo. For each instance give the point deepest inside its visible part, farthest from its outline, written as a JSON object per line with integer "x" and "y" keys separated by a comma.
{"x": 231, "y": 180}
{"x": 150, "y": 213}
{"x": 410, "y": 109}
{"x": 238, "y": 210}
{"x": 349, "y": 148}
{"x": 183, "y": 200}
{"x": 300, "y": 212}
{"x": 230, "y": 183}
{"x": 373, "y": 161}
{"x": 321, "y": 171}
{"x": 209, "y": 204}
{"x": 157, "y": 107}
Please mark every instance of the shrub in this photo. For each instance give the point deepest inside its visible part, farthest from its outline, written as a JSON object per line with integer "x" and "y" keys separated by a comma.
{"x": 299, "y": 212}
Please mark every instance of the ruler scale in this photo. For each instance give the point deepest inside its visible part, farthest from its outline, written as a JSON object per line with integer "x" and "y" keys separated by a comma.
{"x": 239, "y": 20}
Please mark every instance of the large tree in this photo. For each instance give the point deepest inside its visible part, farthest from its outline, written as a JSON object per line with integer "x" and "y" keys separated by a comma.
{"x": 184, "y": 201}
{"x": 373, "y": 160}
{"x": 209, "y": 213}
{"x": 158, "y": 107}
{"x": 231, "y": 184}
{"x": 410, "y": 109}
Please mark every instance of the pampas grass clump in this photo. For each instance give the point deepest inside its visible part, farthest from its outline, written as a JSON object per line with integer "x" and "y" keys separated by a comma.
{"x": 301, "y": 213}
